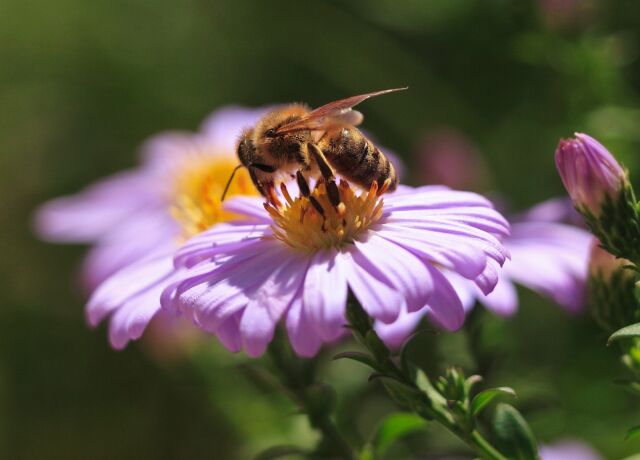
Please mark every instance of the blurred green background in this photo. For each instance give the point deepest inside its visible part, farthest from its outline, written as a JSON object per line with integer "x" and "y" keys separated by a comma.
{"x": 83, "y": 83}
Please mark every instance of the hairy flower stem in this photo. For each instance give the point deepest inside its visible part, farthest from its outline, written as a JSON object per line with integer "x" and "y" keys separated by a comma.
{"x": 313, "y": 398}
{"x": 403, "y": 388}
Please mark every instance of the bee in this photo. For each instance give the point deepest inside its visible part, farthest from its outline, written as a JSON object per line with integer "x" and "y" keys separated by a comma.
{"x": 295, "y": 141}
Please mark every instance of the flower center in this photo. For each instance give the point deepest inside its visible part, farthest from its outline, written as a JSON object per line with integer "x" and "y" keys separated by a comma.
{"x": 198, "y": 189}
{"x": 313, "y": 223}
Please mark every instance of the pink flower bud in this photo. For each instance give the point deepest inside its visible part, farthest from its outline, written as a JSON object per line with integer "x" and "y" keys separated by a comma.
{"x": 589, "y": 172}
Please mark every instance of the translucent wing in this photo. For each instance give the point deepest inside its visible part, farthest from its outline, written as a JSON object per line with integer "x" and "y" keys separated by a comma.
{"x": 334, "y": 113}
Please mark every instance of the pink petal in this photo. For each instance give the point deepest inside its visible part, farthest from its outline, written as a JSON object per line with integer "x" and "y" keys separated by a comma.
{"x": 92, "y": 213}
{"x": 372, "y": 289}
{"x": 229, "y": 334}
{"x": 222, "y": 289}
{"x": 325, "y": 295}
{"x": 445, "y": 303}
{"x": 503, "y": 300}
{"x": 302, "y": 330}
{"x": 220, "y": 239}
{"x": 269, "y": 303}
{"x": 434, "y": 197}
{"x": 489, "y": 277}
{"x": 395, "y": 334}
{"x": 466, "y": 290}
{"x": 404, "y": 271}
{"x": 164, "y": 153}
{"x": 133, "y": 317}
{"x": 249, "y": 206}
{"x": 126, "y": 284}
{"x": 223, "y": 127}
{"x": 454, "y": 253}
{"x": 134, "y": 239}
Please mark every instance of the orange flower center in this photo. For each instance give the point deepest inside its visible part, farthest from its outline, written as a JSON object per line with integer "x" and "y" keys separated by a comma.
{"x": 198, "y": 190}
{"x": 313, "y": 223}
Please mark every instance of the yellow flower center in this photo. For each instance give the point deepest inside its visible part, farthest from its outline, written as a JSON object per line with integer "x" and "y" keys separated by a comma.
{"x": 198, "y": 189}
{"x": 313, "y": 223}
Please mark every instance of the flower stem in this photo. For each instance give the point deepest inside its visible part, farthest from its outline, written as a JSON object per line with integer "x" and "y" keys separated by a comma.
{"x": 423, "y": 405}
{"x": 313, "y": 398}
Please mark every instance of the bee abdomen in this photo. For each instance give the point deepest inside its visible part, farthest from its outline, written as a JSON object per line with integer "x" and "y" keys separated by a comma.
{"x": 358, "y": 160}
{"x": 373, "y": 165}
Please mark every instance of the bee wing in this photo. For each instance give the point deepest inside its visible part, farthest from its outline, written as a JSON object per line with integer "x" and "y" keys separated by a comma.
{"x": 334, "y": 113}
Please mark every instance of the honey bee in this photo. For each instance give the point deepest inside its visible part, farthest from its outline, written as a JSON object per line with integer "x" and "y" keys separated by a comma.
{"x": 295, "y": 141}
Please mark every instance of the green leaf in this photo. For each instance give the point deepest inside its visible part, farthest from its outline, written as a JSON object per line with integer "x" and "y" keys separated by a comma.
{"x": 400, "y": 392}
{"x": 366, "y": 453}
{"x": 632, "y": 433}
{"x": 395, "y": 427}
{"x": 627, "y": 332}
{"x": 279, "y": 452}
{"x": 321, "y": 398}
{"x": 363, "y": 358}
{"x": 376, "y": 346}
{"x": 482, "y": 399}
{"x": 423, "y": 382}
{"x": 631, "y": 386}
{"x": 513, "y": 435}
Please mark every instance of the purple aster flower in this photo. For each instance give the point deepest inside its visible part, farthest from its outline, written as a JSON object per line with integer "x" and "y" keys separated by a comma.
{"x": 546, "y": 256}
{"x": 297, "y": 262}
{"x": 135, "y": 220}
{"x": 589, "y": 172}
{"x": 557, "y": 209}
{"x": 568, "y": 450}
{"x": 447, "y": 157}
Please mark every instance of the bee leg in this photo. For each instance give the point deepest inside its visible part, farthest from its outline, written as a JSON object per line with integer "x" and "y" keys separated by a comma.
{"x": 271, "y": 194}
{"x": 266, "y": 189}
{"x": 303, "y": 185}
{"x": 256, "y": 182}
{"x": 327, "y": 173}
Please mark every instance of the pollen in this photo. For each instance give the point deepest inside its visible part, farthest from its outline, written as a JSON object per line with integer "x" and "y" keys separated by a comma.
{"x": 313, "y": 223}
{"x": 198, "y": 191}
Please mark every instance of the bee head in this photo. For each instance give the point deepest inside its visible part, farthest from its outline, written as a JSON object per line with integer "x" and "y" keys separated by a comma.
{"x": 246, "y": 150}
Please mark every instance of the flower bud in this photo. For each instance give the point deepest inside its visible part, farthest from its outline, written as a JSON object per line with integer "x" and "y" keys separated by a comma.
{"x": 602, "y": 193}
{"x": 612, "y": 297}
{"x": 605, "y": 265}
{"x": 589, "y": 172}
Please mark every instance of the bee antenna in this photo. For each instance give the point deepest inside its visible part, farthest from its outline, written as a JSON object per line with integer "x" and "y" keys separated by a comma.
{"x": 226, "y": 187}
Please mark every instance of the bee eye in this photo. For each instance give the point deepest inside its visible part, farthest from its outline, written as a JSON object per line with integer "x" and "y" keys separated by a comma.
{"x": 270, "y": 132}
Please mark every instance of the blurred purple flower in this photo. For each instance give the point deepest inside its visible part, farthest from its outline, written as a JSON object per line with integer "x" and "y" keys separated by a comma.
{"x": 135, "y": 220}
{"x": 557, "y": 209}
{"x": 568, "y": 450}
{"x": 589, "y": 172}
{"x": 559, "y": 13}
{"x": 293, "y": 263}
{"x": 546, "y": 256}
{"x": 447, "y": 157}
{"x": 169, "y": 339}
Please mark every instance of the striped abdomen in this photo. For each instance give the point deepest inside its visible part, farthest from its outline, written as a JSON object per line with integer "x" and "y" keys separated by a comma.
{"x": 357, "y": 159}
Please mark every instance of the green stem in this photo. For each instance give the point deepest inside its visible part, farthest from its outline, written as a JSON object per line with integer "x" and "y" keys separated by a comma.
{"x": 474, "y": 440}
{"x": 484, "y": 361}
{"x": 363, "y": 331}
{"x": 297, "y": 377}
{"x": 483, "y": 447}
